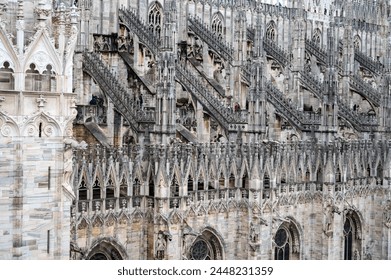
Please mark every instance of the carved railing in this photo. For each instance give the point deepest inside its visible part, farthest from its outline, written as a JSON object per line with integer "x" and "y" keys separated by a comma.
{"x": 369, "y": 63}
{"x": 110, "y": 85}
{"x": 365, "y": 89}
{"x": 315, "y": 50}
{"x": 276, "y": 52}
{"x": 313, "y": 84}
{"x": 361, "y": 122}
{"x": 196, "y": 85}
{"x": 212, "y": 103}
{"x": 303, "y": 121}
{"x": 216, "y": 43}
{"x": 132, "y": 21}
{"x": 271, "y": 48}
{"x": 210, "y": 38}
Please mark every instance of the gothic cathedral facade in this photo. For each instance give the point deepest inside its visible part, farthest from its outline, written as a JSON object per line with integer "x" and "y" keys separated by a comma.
{"x": 195, "y": 129}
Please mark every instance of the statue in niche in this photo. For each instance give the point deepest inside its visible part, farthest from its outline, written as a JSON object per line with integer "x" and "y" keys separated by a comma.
{"x": 161, "y": 244}
{"x": 254, "y": 236}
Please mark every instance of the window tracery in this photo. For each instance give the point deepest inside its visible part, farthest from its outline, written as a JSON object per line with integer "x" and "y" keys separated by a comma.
{"x": 282, "y": 244}
{"x": 357, "y": 43}
{"x": 155, "y": 20}
{"x": 316, "y": 38}
{"x": 206, "y": 247}
{"x": 217, "y": 25}
{"x": 352, "y": 236}
{"x": 286, "y": 242}
{"x": 36, "y": 81}
{"x": 271, "y": 31}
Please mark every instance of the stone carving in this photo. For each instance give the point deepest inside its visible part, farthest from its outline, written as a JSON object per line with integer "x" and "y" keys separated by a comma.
{"x": 76, "y": 253}
{"x": 329, "y": 212}
{"x": 161, "y": 244}
{"x": 188, "y": 237}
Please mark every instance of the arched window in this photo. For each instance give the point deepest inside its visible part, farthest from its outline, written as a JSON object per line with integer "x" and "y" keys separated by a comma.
{"x": 266, "y": 186}
{"x": 231, "y": 181}
{"x": 190, "y": 183}
{"x": 151, "y": 187}
{"x": 271, "y": 31}
{"x": 286, "y": 242}
{"x": 352, "y": 237}
{"x": 110, "y": 194}
{"x": 379, "y": 175}
{"x": 317, "y": 37}
{"x": 217, "y": 25}
{"x": 282, "y": 244}
{"x": 136, "y": 187}
{"x": 200, "y": 184}
{"x": 174, "y": 188}
{"x": 33, "y": 79}
{"x": 96, "y": 191}
{"x": 206, "y": 247}
{"x": 82, "y": 190}
{"x": 49, "y": 79}
{"x": 106, "y": 250}
{"x": 6, "y": 77}
{"x": 123, "y": 188}
{"x": 155, "y": 20}
{"x": 338, "y": 176}
{"x": 319, "y": 175}
{"x": 357, "y": 43}
{"x": 110, "y": 189}
{"x": 307, "y": 176}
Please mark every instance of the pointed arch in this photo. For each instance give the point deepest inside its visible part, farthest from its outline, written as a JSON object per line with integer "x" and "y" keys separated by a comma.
{"x": 42, "y": 52}
{"x": 155, "y": 19}
{"x": 8, "y": 52}
{"x": 287, "y": 240}
{"x": 208, "y": 246}
{"x": 174, "y": 187}
{"x": 317, "y": 37}
{"x": 40, "y": 125}
{"x": 357, "y": 42}
{"x": 7, "y": 81}
{"x": 352, "y": 234}
{"x": 106, "y": 248}
{"x": 218, "y": 24}
{"x": 271, "y": 33}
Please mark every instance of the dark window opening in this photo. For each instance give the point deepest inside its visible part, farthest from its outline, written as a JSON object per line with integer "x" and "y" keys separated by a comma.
{"x": 40, "y": 130}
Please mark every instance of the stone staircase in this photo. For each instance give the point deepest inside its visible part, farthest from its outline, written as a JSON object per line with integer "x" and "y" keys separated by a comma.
{"x": 305, "y": 121}
{"x": 122, "y": 100}
{"x": 361, "y": 122}
{"x": 209, "y": 98}
{"x": 369, "y": 63}
{"x": 210, "y": 38}
{"x": 271, "y": 49}
{"x": 133, "y": 22}
{"x": 276, "y": 52}
{"x": 316, "y": 51}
